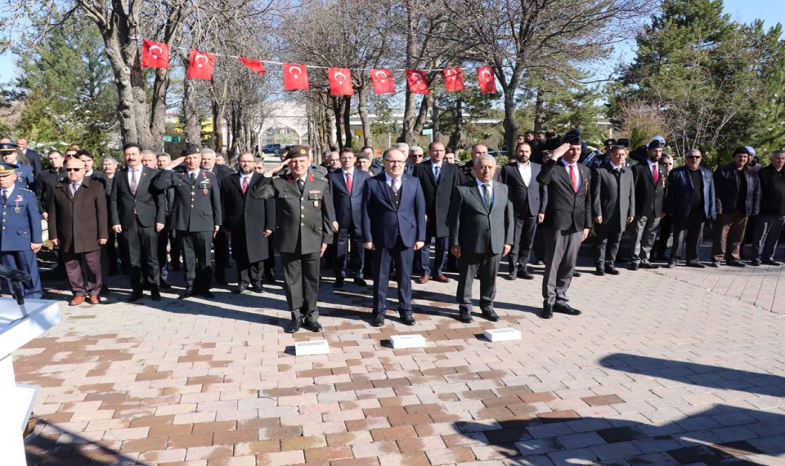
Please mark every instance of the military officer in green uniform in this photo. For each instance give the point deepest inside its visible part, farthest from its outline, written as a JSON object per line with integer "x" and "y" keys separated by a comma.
{"x": 196, "y": 216}
{"x": 302, "y": 232}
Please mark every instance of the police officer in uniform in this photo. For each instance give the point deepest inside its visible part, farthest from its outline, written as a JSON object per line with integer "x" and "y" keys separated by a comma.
{"x": 24, "y": 173}
{"x": 20, "y": 237}
{"x": 303, "y": 229}
{"x": 196, "y": 216}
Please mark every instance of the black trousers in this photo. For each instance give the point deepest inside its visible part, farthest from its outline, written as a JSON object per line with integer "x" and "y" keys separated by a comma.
{"x": 691, "y": 229}
{"x": 349, "y": 253}
{"x": 248, "y": 273}
{"x": 112, "y": 253}
{"x": 221, "y": 245}
{"x": 142, "y": 246}
{"x": 197, "y": 267}
{"x": 606, "y": 246}
{"x": 269, "y": 263}
{"x": 523, "y": 241}
{"x": 301, "y": 279}
{"x": 175, "y": 249}
{"x": 468, "y": 265}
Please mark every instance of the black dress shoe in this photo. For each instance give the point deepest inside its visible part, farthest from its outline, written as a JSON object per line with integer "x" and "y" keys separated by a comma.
{"x": 294, "y": 326}
{"x": 338, "y": 282}
{"x": 696, "y": 265}
{"x": 611, "y": 269}
{"x": 755, "y": 262}
{"x": 714, "y": 263}
{"x": 257, "y": 288}
{"x": 524, "y": 274}
{"x": 649, "y": 265}
{"x": 186, "y": 294}
{"x": 672, "y": 263}
{"x": 360, "y": 282}
{"x": 155, "y": 295}
{"x": 774, "y": 263}
{"x": 634, "y": 266}
{"x": 512, "y": 276}
{"x": 735, "y": 263}
{"x": 576, "y": 274}
{"x": 313, "y": 325}
{"x": 238, "y": 291}
{"x": 208, "y": 294}
{"x": 407, "y": 317}
{"x": 547, "y": 311}
{"x": 599, "y": 271}
{"x": 378, "y": 320}
{"x": 165, "y": 285}
{"x": 466, "y": 317}
{"x": 491, "y": 315}
{"x": 565, "y": 308}
{"x": 135, "y": 296}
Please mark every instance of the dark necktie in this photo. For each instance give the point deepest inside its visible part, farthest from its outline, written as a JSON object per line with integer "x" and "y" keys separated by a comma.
{"x": 5, "y": 196}
{"x": 487, "y": 193}
{"x": 437, "y": 171}
{"x": 301, "y": 185}
{"x": 193, "y": 177}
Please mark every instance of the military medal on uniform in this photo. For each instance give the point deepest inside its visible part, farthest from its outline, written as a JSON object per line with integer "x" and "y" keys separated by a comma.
{"x": 204, "y": 183}
{"x": 16, "y": 206}
{"x": 314, "y": 194}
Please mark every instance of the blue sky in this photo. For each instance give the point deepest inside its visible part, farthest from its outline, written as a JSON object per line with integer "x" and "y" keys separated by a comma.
{"x": 772, "y": 11}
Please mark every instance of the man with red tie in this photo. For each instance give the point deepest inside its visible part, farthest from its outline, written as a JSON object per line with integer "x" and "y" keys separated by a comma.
{"x": 649, "y": 182}
{"x": 567, "y": 221}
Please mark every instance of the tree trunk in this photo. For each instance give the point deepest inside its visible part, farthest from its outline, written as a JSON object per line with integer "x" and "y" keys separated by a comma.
{"x": 338, "y": 111}
{"x": 422, "y": 115}
{"x": 435, "y": 119}
{"x": 347, "y": 113}
{"x": 456, "y": 138}
{"x": 538, "y": 115}
{"x": 362, "y": 109}
{"x": 218, "y": 118}
{"x": 191, "y": 125}
{"x": 407, "y": 128}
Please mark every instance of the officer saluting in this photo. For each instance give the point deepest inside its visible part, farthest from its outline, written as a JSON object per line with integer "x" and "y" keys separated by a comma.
{"x": 303, "y": 229}
{"x": 196, "y": 216}
{"x": 20, "y": 236}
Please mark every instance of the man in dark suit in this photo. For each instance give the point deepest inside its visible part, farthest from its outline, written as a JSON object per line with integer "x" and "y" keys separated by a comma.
{"x": 33, "y": 157}
{"x": 481, "y": 233}
{"x": 612, "y": 206}
{"x": 394, "y": 228}
{"x": 690, "y": 203}
{"x": 467, "y": 170}
{"x": 529, "y": 201}
{"x": 196, "y": 217}
{"x": 79, "y": 226}
{"x": 769, "y": 223}
{"x": 303, "y": 218}
{"x": 47, "y": 179}
{"x": 567, "y": 222}
{"x": 438, "y": 180}
{"x": 166, "y": 237}
{"x": 649, "y": 178}
{"x": 138, "y": 213}
{"x": 249, "y": 222}
{"x": 346, "y": 189}
{"x": 220, "y": 240}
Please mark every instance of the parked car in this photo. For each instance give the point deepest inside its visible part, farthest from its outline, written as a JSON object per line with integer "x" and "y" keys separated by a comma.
{"x": 271, "y": 148}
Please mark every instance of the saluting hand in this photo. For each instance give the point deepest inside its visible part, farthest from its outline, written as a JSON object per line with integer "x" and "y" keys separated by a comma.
{"x": 561, "y": 150}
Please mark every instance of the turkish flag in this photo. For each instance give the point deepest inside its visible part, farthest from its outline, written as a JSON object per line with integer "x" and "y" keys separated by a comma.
{"x": 254, "y": 65}
{"x": 200, "y": 65}
{"x": 295, "y": 77}
{"x": 382, "y": 82}
{"x": 453, "y": 80}
{"x": 155, "y": 54}
{"x": 418, "y": 81}
{"x": 340, "y": 81}
{"x": 486, "y": 79}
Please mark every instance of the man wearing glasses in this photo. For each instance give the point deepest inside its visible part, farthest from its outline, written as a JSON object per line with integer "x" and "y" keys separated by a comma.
{"x": 690, "y": 202}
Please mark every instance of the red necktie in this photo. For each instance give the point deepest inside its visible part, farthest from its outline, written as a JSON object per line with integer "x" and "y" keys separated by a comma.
{"x": 655, "y": 173}
{"x": 573, "y": 178}
{"x": 245, "y": 184}
{"x": 349, "y": 182}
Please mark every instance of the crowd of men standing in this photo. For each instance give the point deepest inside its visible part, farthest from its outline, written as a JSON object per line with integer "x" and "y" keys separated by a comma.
{"x": 382, "y": 220}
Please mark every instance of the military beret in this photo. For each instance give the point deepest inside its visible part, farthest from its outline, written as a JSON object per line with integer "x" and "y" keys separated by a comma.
{"x": 298, "y": 151}
{"x": 573, "y": 137}
{"x": 742, "y": 150}
{"x": 190, "y": 149}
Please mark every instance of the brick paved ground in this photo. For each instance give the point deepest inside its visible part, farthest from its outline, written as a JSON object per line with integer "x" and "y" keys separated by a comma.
{"x": 656, "y": 371}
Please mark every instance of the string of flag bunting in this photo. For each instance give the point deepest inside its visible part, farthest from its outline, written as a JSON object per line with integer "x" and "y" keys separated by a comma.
{"x": 295, "y": 77}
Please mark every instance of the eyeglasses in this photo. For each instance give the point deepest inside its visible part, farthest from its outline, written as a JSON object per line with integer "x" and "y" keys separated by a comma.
{"x": 694, "y": 157}
{"x": 73, "y": 169}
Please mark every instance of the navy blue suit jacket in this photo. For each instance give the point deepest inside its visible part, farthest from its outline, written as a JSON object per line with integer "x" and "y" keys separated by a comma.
{"x": 382, "y": 220}
{"x": 348, "y": 207}
{"x": 680, "y": 190}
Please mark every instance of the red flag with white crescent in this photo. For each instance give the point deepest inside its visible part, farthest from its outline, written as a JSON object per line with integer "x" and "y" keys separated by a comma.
{"x": 200, "y": 65}
{"x": 155, "y": 54}
{"x": 254, "y": 65}
{"x": 382, "y": 82}
{"x": 418, "y": 81}
{"x": 453, "y": 79}
{"x": 486, "y": 79}
{"x": 295, "y": 77}
{"x": 340, "y": 81}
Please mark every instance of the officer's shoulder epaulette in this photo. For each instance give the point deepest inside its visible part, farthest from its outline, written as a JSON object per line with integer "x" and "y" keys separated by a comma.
{"x": 26, "y": 190}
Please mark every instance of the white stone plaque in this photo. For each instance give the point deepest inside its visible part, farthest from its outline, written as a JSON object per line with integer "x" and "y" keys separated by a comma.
{"x": 407, "y": 341}
{"x": 307, "y": 348}
{"x": 502, "y": 334}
